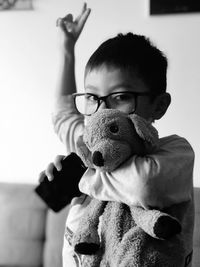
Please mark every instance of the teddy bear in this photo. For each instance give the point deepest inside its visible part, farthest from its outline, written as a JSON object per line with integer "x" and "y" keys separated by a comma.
{"x": 131, "y": 235}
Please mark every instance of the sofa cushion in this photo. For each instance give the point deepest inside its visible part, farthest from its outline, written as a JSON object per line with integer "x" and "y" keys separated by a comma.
{"x": 55, "y": 225}
{"x": 22, "y": 226}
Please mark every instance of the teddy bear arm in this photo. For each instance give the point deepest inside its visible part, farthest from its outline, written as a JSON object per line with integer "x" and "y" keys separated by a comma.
{"x": 86, "y": 239}
{"x": 156, "y": 223}
{"x": 92, "y": 260}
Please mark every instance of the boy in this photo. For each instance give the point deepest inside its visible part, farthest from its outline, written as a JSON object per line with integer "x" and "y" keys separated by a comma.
{"x": 128, "y": 73}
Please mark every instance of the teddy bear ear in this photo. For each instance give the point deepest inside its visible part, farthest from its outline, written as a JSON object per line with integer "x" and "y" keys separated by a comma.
{"x": 146, "y": 131}
{"x": 83, "y": 152}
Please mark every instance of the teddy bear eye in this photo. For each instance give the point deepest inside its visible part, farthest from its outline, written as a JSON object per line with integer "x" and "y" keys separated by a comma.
{"x": 114, "y": 128}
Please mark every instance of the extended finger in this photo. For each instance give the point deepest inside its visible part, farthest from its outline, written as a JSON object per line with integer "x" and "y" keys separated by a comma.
{"x": 58, "y": 162}
{"x": 49, "y": 171}
{"x": 84, "y": 7}
{"x": 82, "y": 11}
{"x": 81, "y": 20}
{"x": 41, "y": 177}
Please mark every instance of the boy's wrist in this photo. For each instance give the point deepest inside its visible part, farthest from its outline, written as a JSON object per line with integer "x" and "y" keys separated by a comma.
{"x": 69, "y": 53}
{"x": 69, "y": 48}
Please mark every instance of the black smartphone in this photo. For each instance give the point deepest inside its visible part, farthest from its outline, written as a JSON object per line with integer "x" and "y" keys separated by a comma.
{"x": 60, "y": 191}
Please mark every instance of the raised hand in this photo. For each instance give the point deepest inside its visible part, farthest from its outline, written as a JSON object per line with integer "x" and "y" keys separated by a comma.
{"x": 72, "y": 28}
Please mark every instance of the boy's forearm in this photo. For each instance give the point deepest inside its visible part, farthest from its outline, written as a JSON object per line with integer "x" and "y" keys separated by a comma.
{"x": 140, "y": 194}
{"x": 67, "y": 84}
{"x": 149, "y": 182}
{"x": 71, "y": 28}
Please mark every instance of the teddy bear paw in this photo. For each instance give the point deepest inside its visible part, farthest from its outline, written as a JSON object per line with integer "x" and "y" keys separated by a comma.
{"x": 86, "y": 248}
{"x": 166, "y": 227}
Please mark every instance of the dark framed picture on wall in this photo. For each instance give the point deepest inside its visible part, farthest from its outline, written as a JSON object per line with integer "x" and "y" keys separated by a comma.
{"x": 161, "y": 7}
{"x": 15, "y": 5}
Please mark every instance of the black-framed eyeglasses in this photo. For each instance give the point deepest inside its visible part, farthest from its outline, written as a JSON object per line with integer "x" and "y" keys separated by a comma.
{"x": 126, "y": 101}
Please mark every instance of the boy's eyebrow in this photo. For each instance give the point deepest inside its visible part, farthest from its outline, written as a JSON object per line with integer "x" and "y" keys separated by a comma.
{"x": 121, "y": 85}
{"x": 90, "y": 87}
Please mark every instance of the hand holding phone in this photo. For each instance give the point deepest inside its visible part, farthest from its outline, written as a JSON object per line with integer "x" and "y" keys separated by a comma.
{"x": 59, "y": 192}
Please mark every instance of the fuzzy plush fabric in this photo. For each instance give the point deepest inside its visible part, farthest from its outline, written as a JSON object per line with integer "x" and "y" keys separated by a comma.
{"x": 146, "y": 131}
{"x": 124, "y": 243}
{"x": 111, "y": 137}
{"x": 130, "y": 236}
{"x": 128, "y": 245}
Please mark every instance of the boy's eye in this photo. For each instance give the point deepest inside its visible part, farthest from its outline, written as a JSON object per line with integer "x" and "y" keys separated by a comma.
{"x": 91, "y": 98}
{"x": 121, "y": 97}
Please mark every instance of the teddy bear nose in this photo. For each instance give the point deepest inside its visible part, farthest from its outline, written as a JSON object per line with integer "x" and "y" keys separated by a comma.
{"x": 114, "y": 128}
{"x": 97, "y": 159}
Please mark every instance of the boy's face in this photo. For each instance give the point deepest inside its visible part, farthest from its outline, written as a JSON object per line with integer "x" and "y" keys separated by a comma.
{"x": 106, "y": 80}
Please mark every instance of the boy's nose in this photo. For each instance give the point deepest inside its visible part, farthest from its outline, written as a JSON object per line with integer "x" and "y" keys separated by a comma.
{"x": 103, "y": 105}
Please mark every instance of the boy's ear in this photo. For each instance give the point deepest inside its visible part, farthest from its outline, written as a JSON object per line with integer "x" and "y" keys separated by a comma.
{"x": 162, "y": 103}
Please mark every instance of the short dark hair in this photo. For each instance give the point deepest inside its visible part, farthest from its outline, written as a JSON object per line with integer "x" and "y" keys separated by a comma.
{"x": 132, "y": 52}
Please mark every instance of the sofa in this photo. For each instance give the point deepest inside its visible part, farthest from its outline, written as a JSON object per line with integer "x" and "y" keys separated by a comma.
{"x": 31, "y": 235}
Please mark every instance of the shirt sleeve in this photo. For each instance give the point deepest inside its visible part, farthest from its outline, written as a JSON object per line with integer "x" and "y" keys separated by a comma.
{"x": 69, "y": 257}
{"x": 155, "y": 181}
{"x": 68, "y": 123}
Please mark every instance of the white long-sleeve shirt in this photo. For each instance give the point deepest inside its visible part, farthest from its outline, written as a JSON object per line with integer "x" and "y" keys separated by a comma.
{"x": 158, "y": 180}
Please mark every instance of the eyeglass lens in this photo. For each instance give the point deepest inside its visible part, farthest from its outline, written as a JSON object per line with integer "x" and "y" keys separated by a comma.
{"x": 88, "y": 104}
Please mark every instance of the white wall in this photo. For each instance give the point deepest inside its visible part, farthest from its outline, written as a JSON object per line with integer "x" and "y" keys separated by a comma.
{"x": 29, "y": 66}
